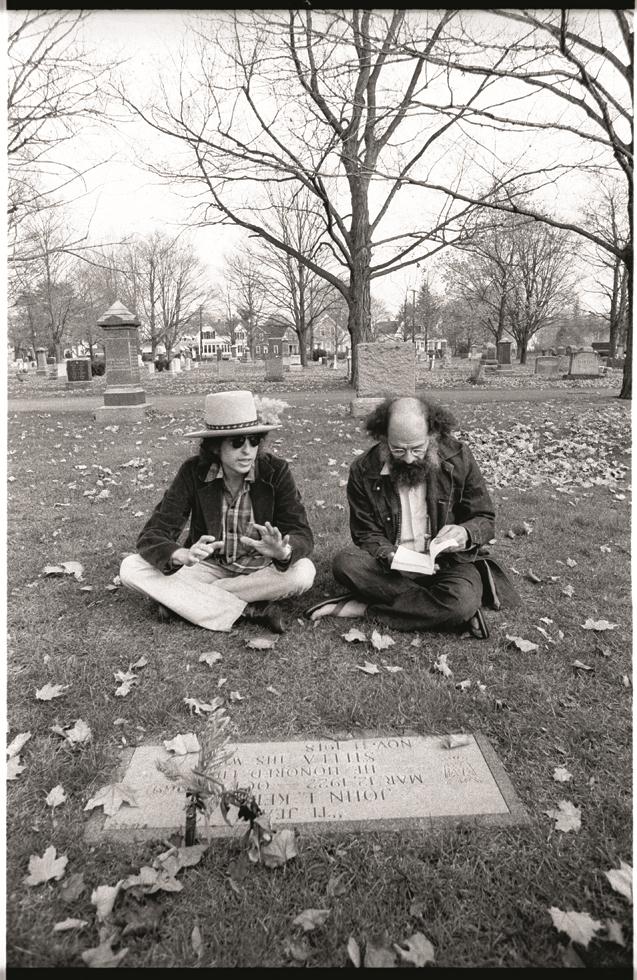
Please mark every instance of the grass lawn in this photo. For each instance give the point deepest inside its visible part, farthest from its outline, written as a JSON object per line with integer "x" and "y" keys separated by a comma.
{"x": 481, "y": 895}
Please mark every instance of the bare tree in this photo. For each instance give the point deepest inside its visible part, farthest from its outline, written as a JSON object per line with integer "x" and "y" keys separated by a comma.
{"x": 54, "y": 86}
{"x": 244, "y": 278}
{"x": 319, "y": 99}
{"x": 609, "y": 221}
{"x": 577, "y": 68}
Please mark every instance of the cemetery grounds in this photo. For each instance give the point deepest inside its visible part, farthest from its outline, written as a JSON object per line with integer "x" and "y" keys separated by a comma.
{"x": 556, "y": 708}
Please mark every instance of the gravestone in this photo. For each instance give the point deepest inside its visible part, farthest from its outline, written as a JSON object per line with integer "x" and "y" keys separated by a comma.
{"x": 175, "y": 366}
{"x": 41, "y": 360}
{"x": 564, "y": 361}
{"x": 150, "y": 366}
{"x": 389, "y": 782}
{"x": 490, "y": 358}
{"x": 548, "y": 367}
{"x": 475, "y": 353}
{"x": 124, "y": 397}
{"x": 226, "y": 370}
{"x": 387, "y": 368}
{"x": 584, "y": 364}
{"x": 274, "y": 369}
{"x": 188, "y": 364}
{"x": 504, "y": 352}
{"x": 78, "y": 373}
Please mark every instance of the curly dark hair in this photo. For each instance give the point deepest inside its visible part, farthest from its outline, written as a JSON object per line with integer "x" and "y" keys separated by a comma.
{"x": 439, "y": 419}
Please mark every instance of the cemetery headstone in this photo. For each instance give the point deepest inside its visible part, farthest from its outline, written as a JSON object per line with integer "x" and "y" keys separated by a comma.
{"x": 175, "y": 366}
{"x": 383, "y": 369}
{"x": 274, "y": 369}
{"x": 150, "y": 366}
{"x": 188, "y": 364}
{"x": 584, "y": 364}
{"x": 78, "y": 373}
{"x": 124, "y": 397}
{"x": 40, "y": 355}
{"x": 364, "y": 784}
{"x": 226, "y": 370}
{"x": 504, "y": 352}
{"x": 548, "y": 366}
{"x": 490, "y": 358}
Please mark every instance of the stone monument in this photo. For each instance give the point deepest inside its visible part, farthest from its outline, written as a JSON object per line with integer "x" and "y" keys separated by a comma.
{"x": 548, "y": 366}
{"x": 40, "y": 355}
{"x": 584, "y": 363}
{"x": 274, "y": 369}
{"x": 124, "y": 397}
{"x": 362, "y": 784}
{"x": 78, "y": 373}
{"x": 384, "y": 369}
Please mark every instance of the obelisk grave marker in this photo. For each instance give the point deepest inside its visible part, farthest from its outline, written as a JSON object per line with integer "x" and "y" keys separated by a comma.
{"x": 320, "y": 784}
{"x": 124, "y": 397}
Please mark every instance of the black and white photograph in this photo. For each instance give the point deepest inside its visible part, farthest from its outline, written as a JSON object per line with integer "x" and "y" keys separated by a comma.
{"x": 318, "y": 488}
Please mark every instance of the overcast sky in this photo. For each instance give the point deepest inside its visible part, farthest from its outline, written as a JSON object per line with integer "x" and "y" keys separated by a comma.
{"x": 123, "y": 198}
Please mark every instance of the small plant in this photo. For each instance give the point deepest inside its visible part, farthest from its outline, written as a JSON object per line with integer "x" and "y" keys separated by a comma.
{"x": 204, "y": 789}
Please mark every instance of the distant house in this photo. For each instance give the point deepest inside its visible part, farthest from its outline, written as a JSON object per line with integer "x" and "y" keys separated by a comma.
{"x": 328, "y": 334}
{"x": 274, "y": 338}
{"x": 214, "y": 341}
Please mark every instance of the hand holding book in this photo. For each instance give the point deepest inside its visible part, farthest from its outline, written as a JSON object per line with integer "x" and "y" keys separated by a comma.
{"x": 451, "y": 537}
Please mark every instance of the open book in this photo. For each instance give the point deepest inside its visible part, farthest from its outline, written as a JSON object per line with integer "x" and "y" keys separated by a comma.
{"x": 413, "y": 561}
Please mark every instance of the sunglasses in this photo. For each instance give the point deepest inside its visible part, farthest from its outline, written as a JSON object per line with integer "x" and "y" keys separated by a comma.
{"x": 237, "y": 442}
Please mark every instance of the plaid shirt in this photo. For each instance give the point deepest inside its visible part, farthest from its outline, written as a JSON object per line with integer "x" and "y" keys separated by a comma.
{"x": 237, "y": 519}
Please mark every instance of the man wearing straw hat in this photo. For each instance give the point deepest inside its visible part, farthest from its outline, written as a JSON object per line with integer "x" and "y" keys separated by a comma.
{"x": 248, "y": 540}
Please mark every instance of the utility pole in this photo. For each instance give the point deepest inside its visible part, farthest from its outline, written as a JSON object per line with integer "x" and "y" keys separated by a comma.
{"x": 200, "y": 338}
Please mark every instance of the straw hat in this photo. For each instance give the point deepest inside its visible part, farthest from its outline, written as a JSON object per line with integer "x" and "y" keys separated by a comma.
{"x": 231, "y": 413}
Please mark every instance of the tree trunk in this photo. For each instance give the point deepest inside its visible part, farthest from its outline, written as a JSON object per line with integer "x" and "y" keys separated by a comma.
{"x": 522, "y": 351}
{"x": 627, "y": 384}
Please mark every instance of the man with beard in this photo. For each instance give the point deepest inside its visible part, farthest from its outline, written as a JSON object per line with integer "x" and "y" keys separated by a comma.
{"x": 416, "y": 485}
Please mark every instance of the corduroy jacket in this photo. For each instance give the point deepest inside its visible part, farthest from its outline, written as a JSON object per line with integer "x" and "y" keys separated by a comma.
{"x": 456, "y": 494}
{"x": 274, "y": 497}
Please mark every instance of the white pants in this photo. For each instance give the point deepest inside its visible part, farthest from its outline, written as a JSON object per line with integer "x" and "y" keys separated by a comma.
{"x": 210, "y": 596}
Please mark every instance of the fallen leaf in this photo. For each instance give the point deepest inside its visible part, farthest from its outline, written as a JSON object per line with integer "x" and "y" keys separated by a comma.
{"x": 78, "y": 733}
{"x": 311, "y": 918}
{"x": 621, "y": 880}
{"x": 172, "y": 861}
{"x": 73, "y": 887}
{"x": 261, "y": 643}
{"x": 280, "y": 849}
{"x": 111, "y": 797}
{"x": 545, "y": 619}
{"x": 103, "y": 898}
{"x": 103, "y": 955}
{"x": 368, "y": 668}
{"x": 56, "y": 797}
{"x": 391, "y": 669}
{"x": 13, "y": 767}
{"x": 336, "y": 886}
{"x": 599, "y": 625}
{"x": 125, "y": 688}
{"x": 615, "y": 934}
{"x": 353, "y": 635}
{"x": 578, "y": 926}
{"x": 381, "y": 641}
{"x": 183, "y": 744}
{"x": 196, "y": 941}
{"x": 532, "y": 577}
{"x": 580, "y": 666}
{"x": 419, "y": 950}
{"x": 569, "y": 591}
{"x": 65, "y": 568}
{"x": 455, "y": 741}
{"x": 567, "y": 817}
{"x": 463, "y": 685}
{"x": 378, "y": 956}
{"x": 200, "y": 706}
{"x": 210, "y": 658}
{"x": 442, "y": 666}
{"x": 139, "y": 663}
{"x": 273, "y": 690}
{"x": 561, "y": 775}
{"x": 44, "y": 868}
{"x": 571, "y": 562}
{"x": 354, "y": 951}
{"x": 50, "y": 691}
{"x": 15, "y": 747}
{"x": 524, "y": 645}
{"x": 235, "y": 696}
{"x": 69, "y": 924}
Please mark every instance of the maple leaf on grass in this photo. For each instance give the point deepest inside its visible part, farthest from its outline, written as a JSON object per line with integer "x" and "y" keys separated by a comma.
{"x": 44, "y": 868}
{"x": 56, "y": 797}
{"x": 50, "y": 691}
{"x": 182, "y": 744}
{"x": 69, "y": 924}
{"x": 442, "y": 666}
{"x": 280, "y": 850}
{"x": 567, "y": 817}
{"x": 13, "y": 767}
{"x": 15, "y": 747}
{"x": 614, "y": 932}
{"x": 173, "y": 860}
{"x": 381, "y": 641}
{"x": 524, "y": 645}
{"x": 599, "y": 625}
{"x": 419, "y": 950}
{"x": 621, "y": 880}
{"x": 75, "y": 734}
{"x": 103, "y": 898}
{"x": 354, "y": 635}
{"x": 580, "y": 666}
{"x": 198, "y": 707}
{"x": 210, "y": 658}
{"x": 111, "y": 797}
{"x": 103, "y": 955}
{"x": 65, "y": 568}
{"x": 578, "y": 926}
{"x": 369, "y": 668}
{"x": 309, "y": 919}
{"x": 561, "y": 774}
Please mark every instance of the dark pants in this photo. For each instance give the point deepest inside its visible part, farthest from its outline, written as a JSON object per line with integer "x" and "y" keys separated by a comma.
{"x": 445, "y": 600}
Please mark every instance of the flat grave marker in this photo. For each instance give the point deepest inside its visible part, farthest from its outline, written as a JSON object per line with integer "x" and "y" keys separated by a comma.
{"x": 389, "y": 782}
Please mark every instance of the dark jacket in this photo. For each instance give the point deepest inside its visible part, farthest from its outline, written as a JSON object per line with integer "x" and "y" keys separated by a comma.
{"x": 274, "y": 497}
{"x": 456, "y": 494}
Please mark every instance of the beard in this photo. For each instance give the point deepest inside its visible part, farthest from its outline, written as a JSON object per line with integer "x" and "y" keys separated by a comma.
{"x": 413, "y": 474}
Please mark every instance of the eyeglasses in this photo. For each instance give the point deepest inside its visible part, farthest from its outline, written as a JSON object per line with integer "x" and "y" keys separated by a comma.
{"x": 403, "y": 450}
{"x": 237, "y": 442}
